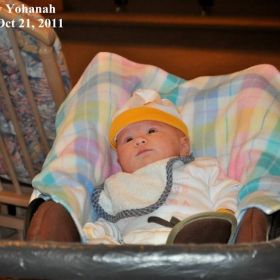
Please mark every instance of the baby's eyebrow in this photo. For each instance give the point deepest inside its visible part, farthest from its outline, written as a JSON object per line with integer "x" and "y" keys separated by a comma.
{"x": 155, "y": 126}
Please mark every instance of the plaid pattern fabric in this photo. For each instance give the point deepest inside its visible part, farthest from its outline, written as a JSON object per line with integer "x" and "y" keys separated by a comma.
{"x": 233, "y": 117}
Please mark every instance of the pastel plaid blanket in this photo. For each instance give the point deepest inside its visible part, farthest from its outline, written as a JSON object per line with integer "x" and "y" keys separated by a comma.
{"x": 233, "y": 117}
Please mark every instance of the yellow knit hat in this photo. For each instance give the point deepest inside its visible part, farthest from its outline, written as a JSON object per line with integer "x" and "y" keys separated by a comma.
{"x": 144, "y": 105}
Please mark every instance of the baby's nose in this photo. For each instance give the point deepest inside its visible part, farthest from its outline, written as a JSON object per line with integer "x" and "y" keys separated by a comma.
{"x": 140, "y": 141}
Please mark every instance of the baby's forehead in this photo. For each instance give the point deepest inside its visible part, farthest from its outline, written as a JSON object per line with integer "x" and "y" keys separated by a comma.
{"x": 140, "y": 125}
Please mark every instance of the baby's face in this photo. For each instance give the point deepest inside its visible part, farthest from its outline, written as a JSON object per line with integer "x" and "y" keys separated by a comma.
{"x": 145, "y": 142}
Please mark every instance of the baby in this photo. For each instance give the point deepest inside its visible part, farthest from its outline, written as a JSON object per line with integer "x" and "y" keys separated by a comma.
{"x": 161, "y": 183}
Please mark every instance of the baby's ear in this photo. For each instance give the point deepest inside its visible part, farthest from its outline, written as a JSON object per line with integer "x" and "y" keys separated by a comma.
{"x": 185, "y": 146}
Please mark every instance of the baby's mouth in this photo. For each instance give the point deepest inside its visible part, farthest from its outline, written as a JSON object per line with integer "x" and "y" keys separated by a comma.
{"x": 141, "y": 152}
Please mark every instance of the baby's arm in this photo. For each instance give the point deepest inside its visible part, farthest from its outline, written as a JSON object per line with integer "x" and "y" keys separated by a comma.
{"x": 102, "y": 232}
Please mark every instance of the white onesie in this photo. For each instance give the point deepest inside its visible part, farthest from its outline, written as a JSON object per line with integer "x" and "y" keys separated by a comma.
{"x": 198, "y": 186}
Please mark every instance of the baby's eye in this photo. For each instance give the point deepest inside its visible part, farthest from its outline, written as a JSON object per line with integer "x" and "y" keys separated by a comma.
{"x": 151, "y": 130}
{"x": 128, "y": 139}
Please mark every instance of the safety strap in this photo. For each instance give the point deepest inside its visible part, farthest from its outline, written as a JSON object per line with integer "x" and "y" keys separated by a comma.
{"x": 157, "y": 220}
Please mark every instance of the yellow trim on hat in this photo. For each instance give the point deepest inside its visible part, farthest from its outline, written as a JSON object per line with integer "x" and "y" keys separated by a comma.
{"x": 143, "y": 114}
